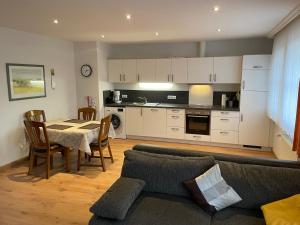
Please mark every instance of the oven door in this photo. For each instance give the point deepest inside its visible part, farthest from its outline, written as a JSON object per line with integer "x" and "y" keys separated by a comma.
{"x": 197, "y": 124}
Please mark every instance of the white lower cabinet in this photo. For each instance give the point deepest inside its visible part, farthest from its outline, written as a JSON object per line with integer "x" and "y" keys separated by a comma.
{"x": 154, "y": 122}
{"x": 197, "y": 137}
{"x": 225, "y": 127}
{"x": 226, "y": 137}
{"x": 175, "y": 123}
{"x": 134, "y": 121}
{"x": 175, "y": 132}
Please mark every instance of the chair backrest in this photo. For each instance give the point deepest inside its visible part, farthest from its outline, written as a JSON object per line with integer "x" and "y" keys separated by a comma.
{"x": 35, "y": 115}
{"x": 88, "y": 113}
{"x": 37, "y": 134}
{"x": 104, "y": 128}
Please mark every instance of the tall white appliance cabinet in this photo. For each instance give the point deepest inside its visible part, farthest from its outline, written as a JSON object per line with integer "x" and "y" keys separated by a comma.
{"x": 254, "y": 128}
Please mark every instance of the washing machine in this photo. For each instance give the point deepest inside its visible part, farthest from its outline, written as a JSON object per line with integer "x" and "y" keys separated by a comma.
{"x": 118, "y": 120}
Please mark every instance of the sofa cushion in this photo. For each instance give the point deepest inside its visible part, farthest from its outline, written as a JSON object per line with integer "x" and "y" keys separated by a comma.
{"x": 158, "y": 209}
{"x": 211, "y": 191}
{"x": 259, "y": 185}
{"x": 164, "y": 173}
{"x": 117, "y": 200}
{"x": 238, "y": 216}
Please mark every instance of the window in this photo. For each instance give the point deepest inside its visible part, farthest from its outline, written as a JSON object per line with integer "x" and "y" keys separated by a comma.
{"x": 284, "y": 78}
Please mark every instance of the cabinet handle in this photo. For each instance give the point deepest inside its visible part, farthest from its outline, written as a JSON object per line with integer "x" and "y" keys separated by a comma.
{"x": 141, "y": 112}
{"x": 176, "y": 129}
{"x": 257, "y": 67}
{"x": 175, "y": 117}
{"x": 210, "y": 77}
{"x": 120, "y": 77}
{"x": 215, "y": 77}
{"x": 224, "y": 119}
{"x": 223, "y": 132}
{"x": 138, "y": 77}
{"x": 196, "y": 136}
{"x": 175, "y": 110}
{"x": 226, "y": 113}
{"x": 242, "y": 117}
{"x": 154, "y": 110}
{"x": 243, "y": 85}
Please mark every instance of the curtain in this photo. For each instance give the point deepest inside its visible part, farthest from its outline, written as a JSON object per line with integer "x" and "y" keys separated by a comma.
{"x": 284, "y": 78}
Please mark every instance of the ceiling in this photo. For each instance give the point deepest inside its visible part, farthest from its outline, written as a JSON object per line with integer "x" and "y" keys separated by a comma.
{"x": 174, "y": 20}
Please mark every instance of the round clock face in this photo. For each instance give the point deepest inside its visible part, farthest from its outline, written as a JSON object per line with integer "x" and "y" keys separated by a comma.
{"x": 86, "y": 70}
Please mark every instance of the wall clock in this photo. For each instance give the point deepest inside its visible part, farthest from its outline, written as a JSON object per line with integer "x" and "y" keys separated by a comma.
{"x": 86, "y": 70}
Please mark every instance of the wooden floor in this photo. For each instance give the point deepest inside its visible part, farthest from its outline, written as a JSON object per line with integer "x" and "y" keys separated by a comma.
{"x": 66, "y": 197}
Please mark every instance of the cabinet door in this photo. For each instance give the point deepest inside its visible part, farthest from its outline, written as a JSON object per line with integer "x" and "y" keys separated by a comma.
{"x": 154, "y": 122}
{"x": 179, "y": 70}
{"x": 227, "y": 70}
{"x": 115, "y": 70}
{"x": 134, "y": 121}
{"x": 254, "y": 125}
{"x": 163, "y": 70}
{"x": 129, "y": 70}
{"x": 146, "y": 70}
{"x": 255, "y": 80}
{"x": 200, "y": 70}
{"x": 252, "y": 62}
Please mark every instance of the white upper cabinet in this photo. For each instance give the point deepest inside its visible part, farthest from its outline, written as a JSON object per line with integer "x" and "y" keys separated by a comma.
{"x": 200, "y": 70}
{"x": 146, "y": 70}
{"x": 227, "y": 70}
{"x": 164, "y": 70}
{"x": 179, "y": 70}
{"x": 115, "y": 70}
{"x": 253, "y": 62}
{"x": 122, "y": 71}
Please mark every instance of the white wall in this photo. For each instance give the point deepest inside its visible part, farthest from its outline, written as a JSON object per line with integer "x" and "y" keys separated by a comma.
{"x": 21, "y": 47}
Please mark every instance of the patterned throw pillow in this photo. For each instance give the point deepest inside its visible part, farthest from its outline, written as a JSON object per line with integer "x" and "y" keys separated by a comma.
{"x": 211, "y": 191}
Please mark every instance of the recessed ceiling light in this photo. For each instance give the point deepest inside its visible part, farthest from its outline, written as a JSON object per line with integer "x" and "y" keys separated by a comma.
{"x": 156, "y": 33}
{"x": 216, "y": 8}
{"x": 128, "y": 16}
{"x": 219, "y": 30}
{"x": 102, "y": 36}
{"x": 55, "y": 21}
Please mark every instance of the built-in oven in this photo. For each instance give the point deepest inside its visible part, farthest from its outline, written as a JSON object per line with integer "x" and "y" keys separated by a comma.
{"x": 197, "y": 121}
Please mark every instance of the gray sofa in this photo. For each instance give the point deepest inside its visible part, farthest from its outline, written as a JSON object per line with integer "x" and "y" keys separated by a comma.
{"x": 165, "y": 201}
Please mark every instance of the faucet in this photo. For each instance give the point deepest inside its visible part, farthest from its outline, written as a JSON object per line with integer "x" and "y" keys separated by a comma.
{"x": 144, "y": 99}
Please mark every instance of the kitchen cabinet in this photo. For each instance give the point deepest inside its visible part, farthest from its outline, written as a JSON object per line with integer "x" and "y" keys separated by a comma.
{"x": 227, "y": 70}
{"x": 254, "y": 125}
{"x": 122, "y": 71}
{"x": 200, "y": 70}
{"x": 255, "y": 80}
{"x": 254, "y": 62}
{"x": 163, "y": 70}
{"x": 179, "y": 70}
{"x": 225, "y": 127}
{"x": 134, "y": 121}
{"x": 146, "y": 70}
{"x": 175, "y": 123}
{"x": 218, "y": 70}
{"x": 154, "y": 122}
{"x": 197, "y": 137}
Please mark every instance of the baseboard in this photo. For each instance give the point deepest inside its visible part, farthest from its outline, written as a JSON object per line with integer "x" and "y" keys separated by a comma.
{"x": 181, "y": 141}
{"x": 14, "y": 163}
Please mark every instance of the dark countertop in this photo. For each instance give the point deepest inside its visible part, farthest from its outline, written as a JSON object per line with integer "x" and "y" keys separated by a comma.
{"x": 178, "y": 106}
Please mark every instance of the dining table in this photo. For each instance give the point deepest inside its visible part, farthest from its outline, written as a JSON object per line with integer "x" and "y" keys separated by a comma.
{"x": 75, "y": 134}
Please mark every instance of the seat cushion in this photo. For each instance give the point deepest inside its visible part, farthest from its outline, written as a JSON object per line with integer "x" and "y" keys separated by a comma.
{"x": 96, "y": 144}
{"x": 164, "y": 173}
{"x": 158, "y": 209}
{"x": 238, "y": 216}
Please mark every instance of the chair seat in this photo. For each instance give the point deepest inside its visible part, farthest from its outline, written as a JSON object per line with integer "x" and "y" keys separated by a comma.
{"x": 53, "y": 147}
{"x": 96, "y": 144}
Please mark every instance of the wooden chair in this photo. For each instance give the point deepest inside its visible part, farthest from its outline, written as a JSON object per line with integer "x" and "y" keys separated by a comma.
{"x": 41, "y": 146}
{"x": 101, "y": 144}
{"x": 88, "y": 113}
{"x": 35, "y": 115}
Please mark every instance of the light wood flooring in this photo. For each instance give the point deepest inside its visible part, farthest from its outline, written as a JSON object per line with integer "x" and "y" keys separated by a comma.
{"x": 66, "y": 197}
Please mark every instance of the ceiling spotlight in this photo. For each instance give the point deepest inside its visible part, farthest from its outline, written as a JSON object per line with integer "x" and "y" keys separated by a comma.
{"x": 55, "y": 21}
{"x": 156, "y": 33}
{"x": 219, "y": 30}
{"x": 102, "y": 36}
{"x": 128, "y": 16}
{"x": 216, "y": 8}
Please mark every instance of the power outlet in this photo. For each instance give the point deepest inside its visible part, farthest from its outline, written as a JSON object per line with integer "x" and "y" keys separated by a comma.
{"x": 124, "y": 96}
{"x": 171, "y": 97}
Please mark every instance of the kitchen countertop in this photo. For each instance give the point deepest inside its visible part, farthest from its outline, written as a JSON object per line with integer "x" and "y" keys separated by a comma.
{"x": 178, "y": 106}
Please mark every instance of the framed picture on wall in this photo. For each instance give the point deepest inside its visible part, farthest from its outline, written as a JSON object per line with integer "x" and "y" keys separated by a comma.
{"x": 25, "y": 81}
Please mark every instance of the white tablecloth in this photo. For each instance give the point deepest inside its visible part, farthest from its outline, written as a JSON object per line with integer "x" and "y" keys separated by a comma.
{"x": 74, "y": 137}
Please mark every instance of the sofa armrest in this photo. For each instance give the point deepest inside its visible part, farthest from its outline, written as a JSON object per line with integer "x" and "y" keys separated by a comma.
{"x": 115, "y": 203}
